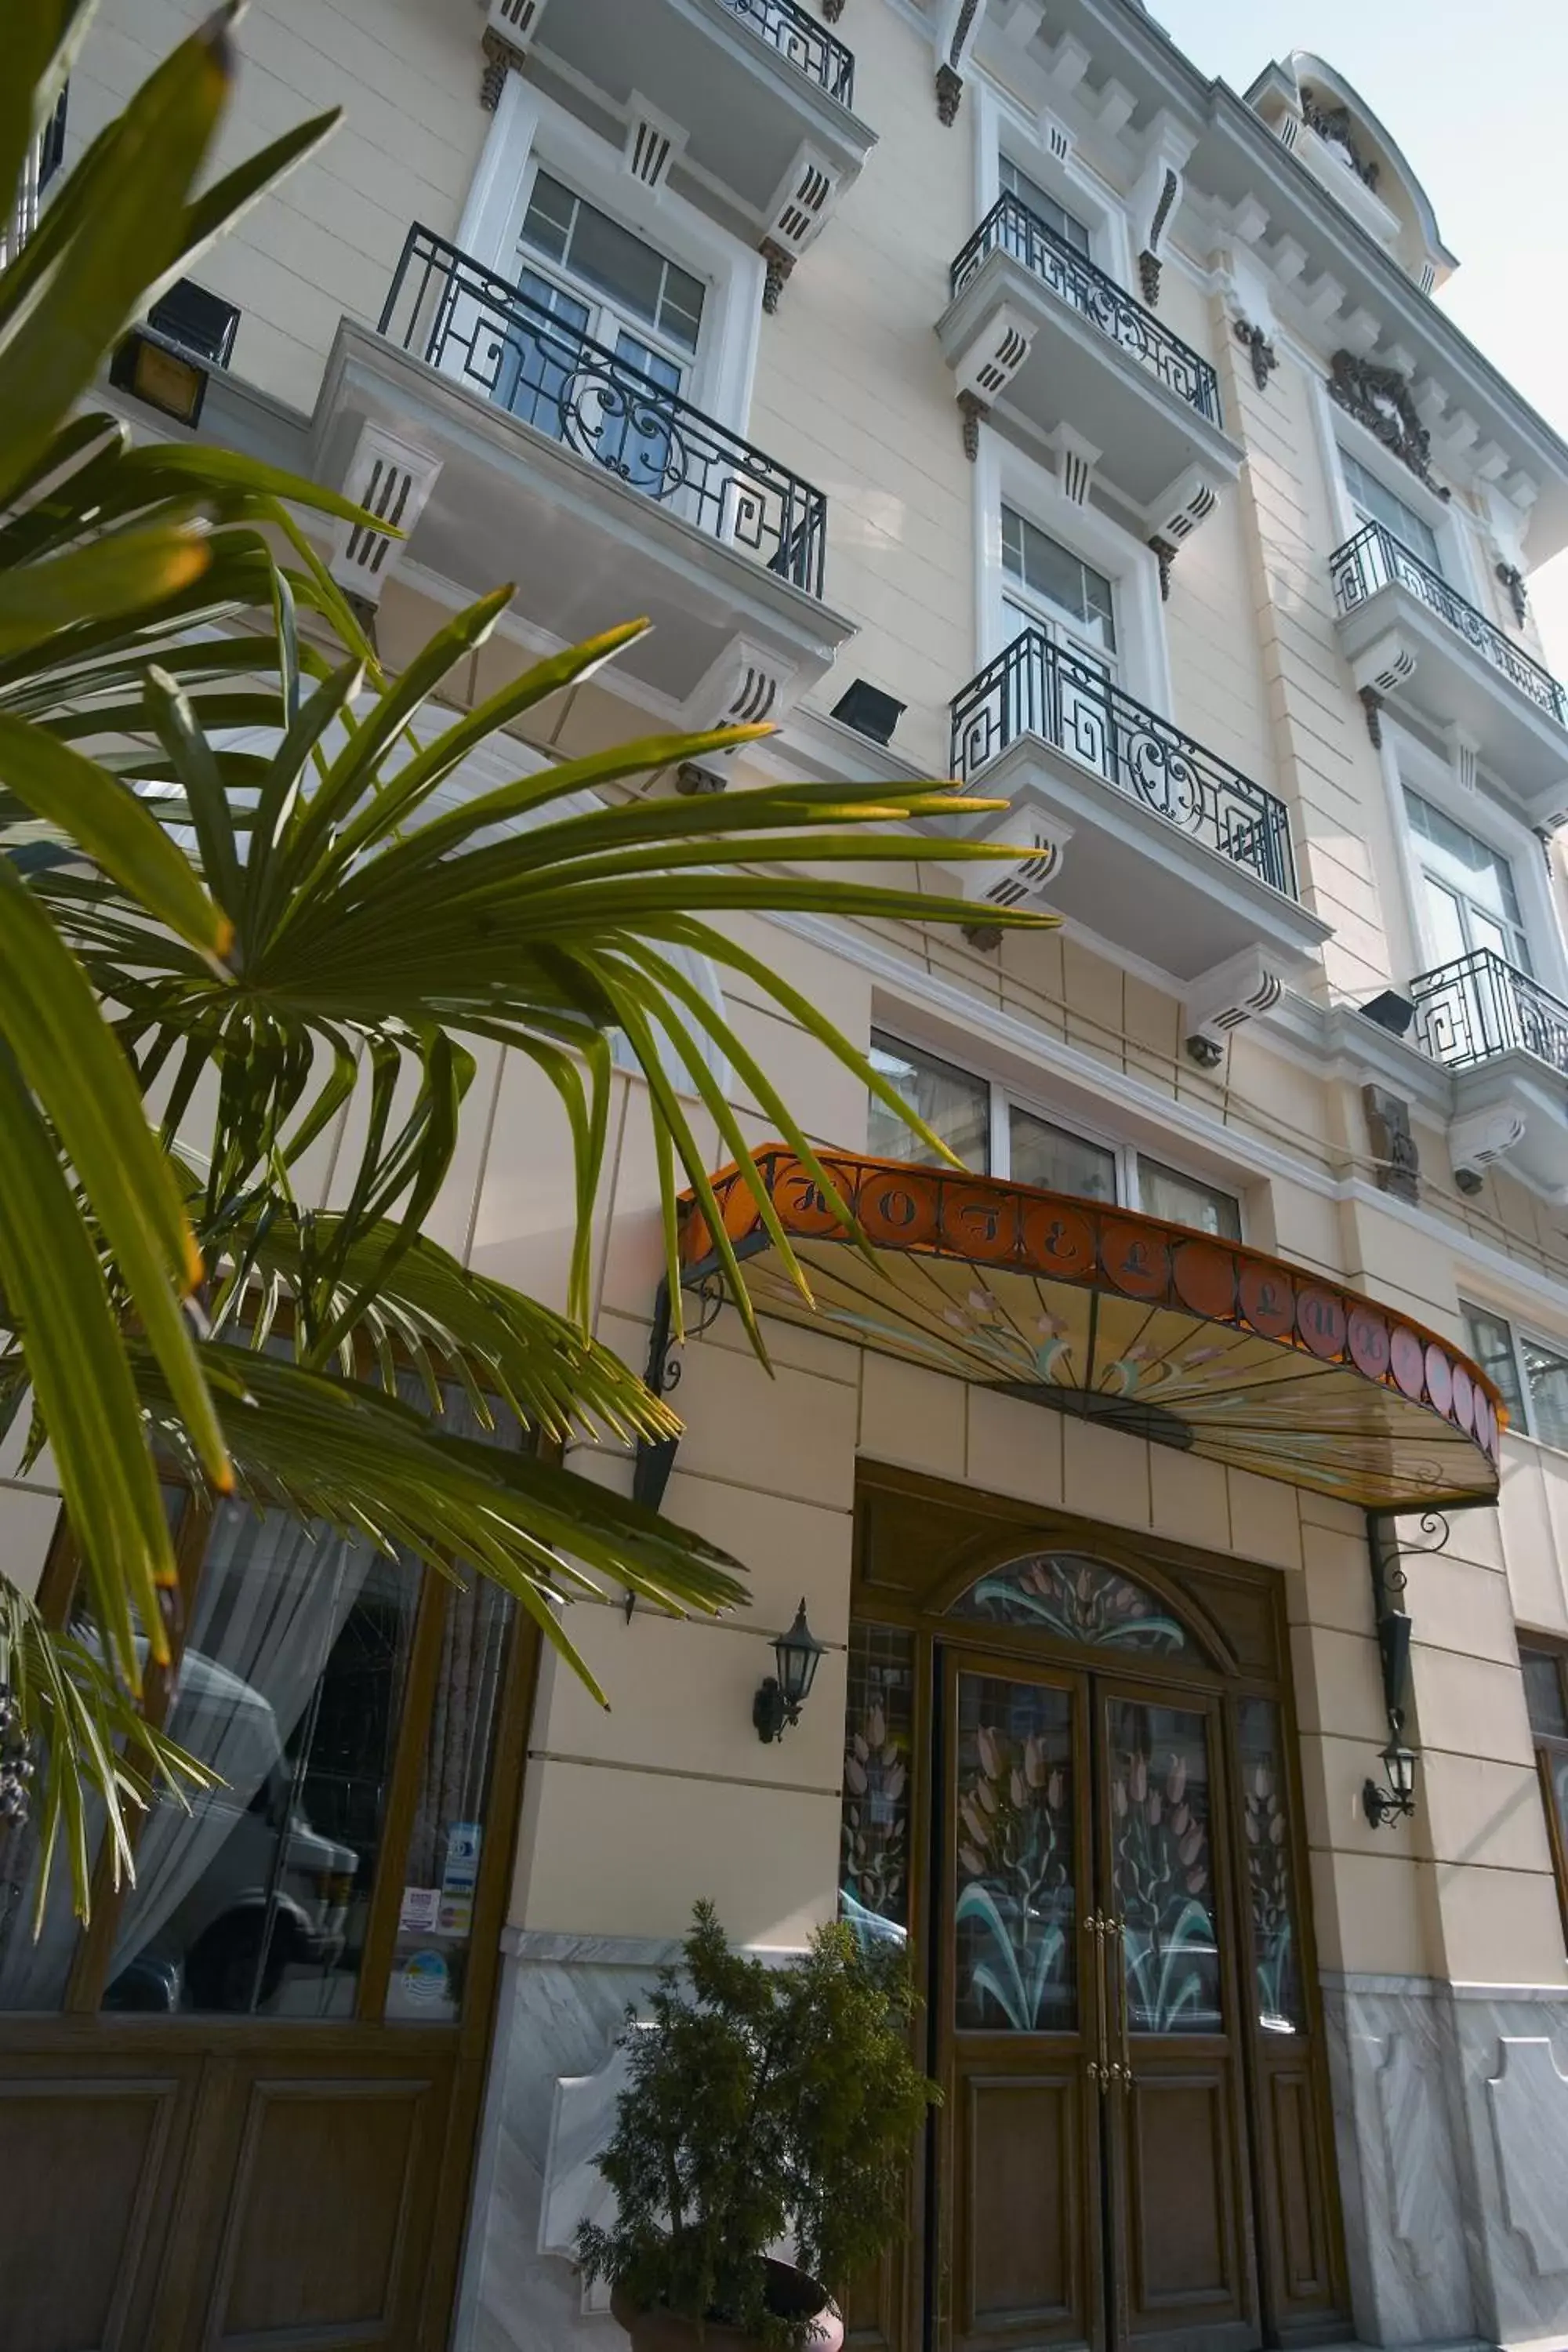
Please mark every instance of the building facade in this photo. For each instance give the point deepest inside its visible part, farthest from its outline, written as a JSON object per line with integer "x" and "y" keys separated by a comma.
{"x": 967, "y": 388}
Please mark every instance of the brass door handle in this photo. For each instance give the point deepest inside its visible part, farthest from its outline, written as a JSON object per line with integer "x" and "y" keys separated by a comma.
{"x": 1099, "y": 2069}
{"x": 1116, "y": 1929}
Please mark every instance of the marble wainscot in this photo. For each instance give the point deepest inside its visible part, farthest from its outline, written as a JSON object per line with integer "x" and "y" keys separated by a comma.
{"x": 557, "y": 2068}
{"x": 1451, "y": 2124}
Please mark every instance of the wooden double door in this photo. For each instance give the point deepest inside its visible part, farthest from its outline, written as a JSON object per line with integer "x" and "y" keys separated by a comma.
{"x": 1095, "y": 2158}
{"x": 1071, "y": 1797}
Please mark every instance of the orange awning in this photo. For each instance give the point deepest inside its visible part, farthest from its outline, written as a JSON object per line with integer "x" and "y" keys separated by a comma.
{"x": 1152, "y": 1328}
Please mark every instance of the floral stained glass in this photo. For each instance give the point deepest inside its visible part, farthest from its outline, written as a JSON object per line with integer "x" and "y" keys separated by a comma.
{"x": 874, "y": 1873}
{"x": 1163, "y": 1868}
{"x": 1276, "y": 1949}
{"x": 1074, "y": 1599}
{"x": 1016, "y": 1911}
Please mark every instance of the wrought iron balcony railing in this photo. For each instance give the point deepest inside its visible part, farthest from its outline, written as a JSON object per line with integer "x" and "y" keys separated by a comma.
{"x": 1037, "y": 688}
{"x": 798, "y": 37}
{"x": 489, "y": 336}
{"x": 1011, "y": 228}
{"x": 1481, "y": 1005}
{"x": 1375, "y": 559}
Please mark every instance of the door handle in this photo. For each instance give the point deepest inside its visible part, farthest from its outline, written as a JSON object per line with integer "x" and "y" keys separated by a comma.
{"x": 1116, "y": 1931}
{"x": 1098, "y": 2070}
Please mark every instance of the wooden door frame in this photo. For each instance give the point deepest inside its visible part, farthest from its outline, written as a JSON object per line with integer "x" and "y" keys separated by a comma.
{"x": 983, "y": 1531}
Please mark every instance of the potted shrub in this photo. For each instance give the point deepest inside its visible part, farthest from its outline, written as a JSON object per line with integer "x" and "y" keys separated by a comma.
{"x": 765, "y": 2101}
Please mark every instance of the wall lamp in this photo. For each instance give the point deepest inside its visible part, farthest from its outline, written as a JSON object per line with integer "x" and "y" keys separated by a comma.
{"x": 1396, "y": 1802}
{"x": 781, "y": 1696}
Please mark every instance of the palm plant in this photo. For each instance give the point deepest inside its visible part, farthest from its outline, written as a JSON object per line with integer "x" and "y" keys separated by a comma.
{"x": 206, "y": 953}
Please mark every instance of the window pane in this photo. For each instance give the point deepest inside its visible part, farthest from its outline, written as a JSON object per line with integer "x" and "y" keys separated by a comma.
{"x": 1276, "y": 1945}
{"x": 1544, "y": 1693}
{"x": 1468, "y": 883}
{"x": 876, "y": 1810}
{"x": 1375, "y": 502}
{"x": 1547, "y": 1373}
{"x": 1047, "y": 1155}
{"x": 602, "y": 254}
{"x": 290, "y": 1688}
{"x": 1017, "y": 1958}
{"x": 1044, "y": 208}
{"x": 957, "y": 1106}
{"x": 1062, "y": 578}
{"x": 436, "y": 1910}
{"x": 1490, "y": 1342}
{"x": 1164, "y": 1192}
{"x": 548, "y": 222}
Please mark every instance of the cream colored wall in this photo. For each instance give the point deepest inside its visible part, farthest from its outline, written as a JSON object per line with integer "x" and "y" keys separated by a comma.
{"x": 326, "y": 242}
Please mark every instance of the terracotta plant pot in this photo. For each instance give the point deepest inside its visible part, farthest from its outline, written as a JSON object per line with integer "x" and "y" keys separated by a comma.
{"x": 790, "y": 2294}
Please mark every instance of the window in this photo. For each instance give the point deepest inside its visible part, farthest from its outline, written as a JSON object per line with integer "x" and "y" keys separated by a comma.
{"x": 1044, "y": 208}
{"x": 1546, "y": 1697}
{"x": 1164, "y": 1192}
{"x": 1532, "y": 1374}
{"x": 1468, "y": 897}
{"x": 1050, "y": 586}
{"x": 956, "y": 1105}
{"x": 995, "y": 1135}
{"x": 1375, "y": 502}
{"x": 596, "y": 279}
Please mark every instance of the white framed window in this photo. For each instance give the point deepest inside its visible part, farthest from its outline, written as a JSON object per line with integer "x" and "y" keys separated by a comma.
{"x": 1051, "y": 586}
{"x": 994, "y": 1133}
{"x": 591, "y": 256}
{"x": 1531, "y": 1373}
{"x": 1467, "y": 896}
{"x": 1012, "y": 181}
{"x": 1375, "y": 502}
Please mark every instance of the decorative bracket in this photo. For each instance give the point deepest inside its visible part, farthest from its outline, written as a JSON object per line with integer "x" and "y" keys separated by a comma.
{"x": 655, "y": 1456}
{"x": 1222, "y": 998}
{"x": 1511, "y": 578}
{"x": 1393, "y": 1145}
{"x": 955, "y": 38}
{"x": 1260, "y": 349}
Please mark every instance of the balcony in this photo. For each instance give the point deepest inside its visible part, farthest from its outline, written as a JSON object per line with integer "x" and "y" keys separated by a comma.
{"x": 1410, "y": 638}
{"x": 1504, "y": 1039}
{"x": 510, "y": 447}
{"x": 1162, "y": 848}
{"x": 750, "y": 100}
{"x": 1032, "y": 322}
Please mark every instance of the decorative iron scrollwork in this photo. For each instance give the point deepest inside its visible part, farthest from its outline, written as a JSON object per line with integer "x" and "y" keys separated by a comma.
{"x": 1375, "y": 559}
{"x": 1332, "y": 125}
{"x": 1512, "y": 579}
{"x": 1379, "y": 398}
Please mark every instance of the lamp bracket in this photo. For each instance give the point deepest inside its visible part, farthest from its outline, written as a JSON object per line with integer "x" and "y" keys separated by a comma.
{"x": 655, "y": 1456}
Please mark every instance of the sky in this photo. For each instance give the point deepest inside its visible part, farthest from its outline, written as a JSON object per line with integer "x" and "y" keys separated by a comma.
{"x": 1473, "y": 96}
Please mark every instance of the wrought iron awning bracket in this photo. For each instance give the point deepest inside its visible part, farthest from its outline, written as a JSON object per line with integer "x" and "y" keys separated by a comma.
{"x": 654, "y": 1457}
{"x": 1389, "y": 1583}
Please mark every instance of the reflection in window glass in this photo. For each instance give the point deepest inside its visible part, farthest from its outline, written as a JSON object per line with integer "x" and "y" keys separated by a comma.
{"x": 599, "y": 253}
{"x": 1544, "y": 1693}
{"x": 1060, "y": 1161}
{"x": 956, "y": 1105}
{"x": 1546, "y": 1370}
{"x": 1490, "y": 1342}
{"x": 1061, "y": 580}
{"x": 1468, "y": 889}
{"x": 435, "y": 1909}
{"x": 1162, "y": 1867}
{"x": 1164, "y": 1192}
{"x": 289, "y": 1688}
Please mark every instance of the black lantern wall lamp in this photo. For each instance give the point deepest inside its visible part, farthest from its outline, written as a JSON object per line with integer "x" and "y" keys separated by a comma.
{"x": 781, "y": 1696}
{"x": 1394, "y": 1800}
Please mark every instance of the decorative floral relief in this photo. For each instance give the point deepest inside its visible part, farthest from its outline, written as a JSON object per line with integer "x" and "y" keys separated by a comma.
{"x": 1016, "y": 1903}
{"x": 1160, "y": 1868}
{"x": 1077, "y": 1599}
{"x": 875, "y": 1815}
{"x": 1275, "y": 1954}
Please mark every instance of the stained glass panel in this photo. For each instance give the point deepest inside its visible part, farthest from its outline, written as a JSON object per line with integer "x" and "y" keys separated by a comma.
{"x": 1016, "y": 1913}
{"x": 874, "y": 1873}
{"x": 1276, "y": 1947}
{"x": 1074, "y": 1599}
{"x": 1162, "y": 1867}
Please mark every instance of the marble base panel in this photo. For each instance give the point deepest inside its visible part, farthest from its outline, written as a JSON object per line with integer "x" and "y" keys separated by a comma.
{"x": 1451, "y": 2125}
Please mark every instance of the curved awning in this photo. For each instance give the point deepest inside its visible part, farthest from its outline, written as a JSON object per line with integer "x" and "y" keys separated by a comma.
{"x": 1152, "y": 1328}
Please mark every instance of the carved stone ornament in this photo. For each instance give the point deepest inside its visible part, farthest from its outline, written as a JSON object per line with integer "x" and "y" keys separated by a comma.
{"x": 984, "y": 938}
{"x": 1372, "y": 703}
{"x": 1260, "y": 349}
{"x": 1512, "y": 579}
{"x": 973, "y": 411}
{"x": 499, "y": 57}
{"x": 1332, "y": 125}
{"x": 949, "y": 90}
{"x": 833, "y": 10}
{"x": 777, "y": 266}
{"x": 1379, "y": 398}
{"x": 1393, "y": 1145}
{"x": 1148, "y": 259}
{"x": 1164, "y": 556}
{"x": 1148, "y": 278}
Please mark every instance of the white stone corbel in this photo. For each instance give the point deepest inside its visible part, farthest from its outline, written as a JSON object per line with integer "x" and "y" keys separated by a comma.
{"x": 803, "y": 201}
{"x": 1116, "y": 108}
{"x": 653, "y": 143}
{"x": 1076, "y": 461}
{"x": 745, "y": 685}
{"x": 1021, "y": 881}
{"x": 994, "y": 359}
{"x": 1189, "y": 502}
{"x": 392, "y": 479}
{"x": 1229, "y": 994}
{"x": 1479, "y": 1138}
{"x": 1384, "y": 665}
{"x": 1463, "y": 750}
